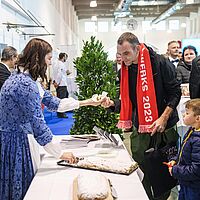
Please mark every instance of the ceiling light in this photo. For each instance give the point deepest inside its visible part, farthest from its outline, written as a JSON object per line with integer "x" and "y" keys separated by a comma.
{"x": 94, "y": 18}
{"x": 183, "y": 25}
{"x": 93, "y": 4}
{"x": 141, "y": 3}
{"x": 189, "y": 1}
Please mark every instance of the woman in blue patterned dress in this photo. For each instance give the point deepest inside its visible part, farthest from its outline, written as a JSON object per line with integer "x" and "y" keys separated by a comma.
{"x": 20, "y": 106}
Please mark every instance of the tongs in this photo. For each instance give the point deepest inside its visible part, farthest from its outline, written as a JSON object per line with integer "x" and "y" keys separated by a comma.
{"x": 113, "y": 190}
{"x": 78, "y": 159}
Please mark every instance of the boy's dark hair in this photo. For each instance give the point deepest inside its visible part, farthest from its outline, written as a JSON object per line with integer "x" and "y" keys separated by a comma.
{"x": 194, "y": 104}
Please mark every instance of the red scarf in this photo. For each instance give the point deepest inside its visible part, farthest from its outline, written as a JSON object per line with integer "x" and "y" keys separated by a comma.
{"x": 146, "y": 97}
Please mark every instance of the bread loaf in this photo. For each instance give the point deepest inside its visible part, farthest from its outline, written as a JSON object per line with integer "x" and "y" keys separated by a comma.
{"x": 92, "y": 186}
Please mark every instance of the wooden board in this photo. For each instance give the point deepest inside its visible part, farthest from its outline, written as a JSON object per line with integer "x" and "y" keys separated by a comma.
{"x": 75, "y": 188}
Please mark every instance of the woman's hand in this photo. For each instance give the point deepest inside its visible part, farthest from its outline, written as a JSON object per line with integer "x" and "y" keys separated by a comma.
{"x": 93, "y": 101}
{"x": 68, "y": 156}
{"x": 97, "y": 102}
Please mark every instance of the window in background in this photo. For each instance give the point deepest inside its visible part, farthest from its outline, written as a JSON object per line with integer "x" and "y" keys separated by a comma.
{"x": 116, "y": 27}
{"x": 195, "y": 25}
{"x": 102, "y": 26}
{"x": 146, "y": 25}
{"x": 161, "y": 26}
{"x": 174, "y": 24}
{"x": 90, "y": 27}
{"x": 198, "y": 24}
{"x": 191, "y": 26}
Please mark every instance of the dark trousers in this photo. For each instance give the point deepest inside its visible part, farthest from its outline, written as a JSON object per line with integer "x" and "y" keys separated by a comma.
{"x": 61, "y": 94}
{"x": 139, "y": 144}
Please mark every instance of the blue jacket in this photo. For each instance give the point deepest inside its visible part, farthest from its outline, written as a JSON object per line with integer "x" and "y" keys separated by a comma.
{"x": 187, "y": 171}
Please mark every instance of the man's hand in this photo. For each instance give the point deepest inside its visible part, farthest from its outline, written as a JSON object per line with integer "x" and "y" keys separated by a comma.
{"x": 68, "y": 156}
{"x": 159, "y": 125}
{"x": 107, "y": 103}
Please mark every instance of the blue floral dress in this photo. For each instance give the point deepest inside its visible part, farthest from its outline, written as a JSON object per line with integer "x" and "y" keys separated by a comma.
{"x": 20, "y": 107}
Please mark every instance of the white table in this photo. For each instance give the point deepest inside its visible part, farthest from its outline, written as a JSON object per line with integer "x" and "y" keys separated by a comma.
{"x": 53, "y": 182}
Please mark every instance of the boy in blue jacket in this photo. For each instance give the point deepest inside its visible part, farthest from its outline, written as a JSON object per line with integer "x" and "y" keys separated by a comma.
{"x": 186, "y": 168}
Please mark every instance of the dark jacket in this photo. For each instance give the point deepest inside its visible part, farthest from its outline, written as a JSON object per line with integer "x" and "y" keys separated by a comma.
{"x": 4, "y": 74}
{"x": 167, "y": 88}
{"x": 188, "y": 169}
{"x": 194, "y": 82}
{"x": 183, "y": 72}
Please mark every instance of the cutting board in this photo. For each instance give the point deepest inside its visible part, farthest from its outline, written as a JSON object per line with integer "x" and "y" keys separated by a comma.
{"x": 75, "y": 188}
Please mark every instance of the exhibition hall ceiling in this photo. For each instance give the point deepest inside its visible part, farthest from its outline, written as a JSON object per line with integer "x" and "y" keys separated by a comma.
{"x": 135, "y": 8}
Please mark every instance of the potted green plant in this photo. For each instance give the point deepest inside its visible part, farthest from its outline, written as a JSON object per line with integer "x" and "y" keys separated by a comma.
{"x": 95, "y": 74}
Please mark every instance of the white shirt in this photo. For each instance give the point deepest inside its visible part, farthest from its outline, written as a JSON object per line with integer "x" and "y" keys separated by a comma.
{"x": 52, "y": 147}
{"x": 118, "y": 66}
{"x": 60, "y": 73}
{"x": 174, "y": 61}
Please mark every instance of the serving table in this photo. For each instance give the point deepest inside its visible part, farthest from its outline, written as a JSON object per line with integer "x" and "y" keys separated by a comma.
{"x": 54, "y": 182}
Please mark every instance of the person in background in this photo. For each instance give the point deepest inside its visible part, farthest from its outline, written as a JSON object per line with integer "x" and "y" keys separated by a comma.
{"x": 186, "y": 168}
{"x": 194, "y": 81}
{"x": 117, "y": 67}
{"x": 180, "y": 54}
{"x": 173, "y": 52}
{"x": 7, "y": 64}
{"x": 150, "y": 94}
{"x": 20, "y": 107}
{"x": 184, "y": 67}
{"x": 60, "y": 80}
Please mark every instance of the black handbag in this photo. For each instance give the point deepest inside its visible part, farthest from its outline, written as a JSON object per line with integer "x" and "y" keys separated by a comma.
{"x": 160, "y": 179}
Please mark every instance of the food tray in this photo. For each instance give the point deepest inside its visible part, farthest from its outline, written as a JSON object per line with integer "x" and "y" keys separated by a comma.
{"x": 128, "y": 172}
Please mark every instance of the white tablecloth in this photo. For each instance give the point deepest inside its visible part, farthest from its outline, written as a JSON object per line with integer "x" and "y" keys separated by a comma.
{"x": 53, "y": 182}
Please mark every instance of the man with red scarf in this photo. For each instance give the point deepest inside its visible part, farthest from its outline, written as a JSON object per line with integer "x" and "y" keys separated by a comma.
{"x": 150, "y": 94}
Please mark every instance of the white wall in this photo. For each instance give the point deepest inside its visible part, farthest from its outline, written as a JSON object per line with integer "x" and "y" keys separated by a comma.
{"x": 58, "y": 17}
{"x": 193, "y": 25}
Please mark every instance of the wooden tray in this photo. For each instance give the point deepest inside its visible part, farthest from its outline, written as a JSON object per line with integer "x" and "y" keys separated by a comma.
{"x": 75, "y": 188}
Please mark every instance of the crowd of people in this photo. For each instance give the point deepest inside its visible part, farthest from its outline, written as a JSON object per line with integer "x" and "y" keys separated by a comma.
{"x": 150, "y": 91}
